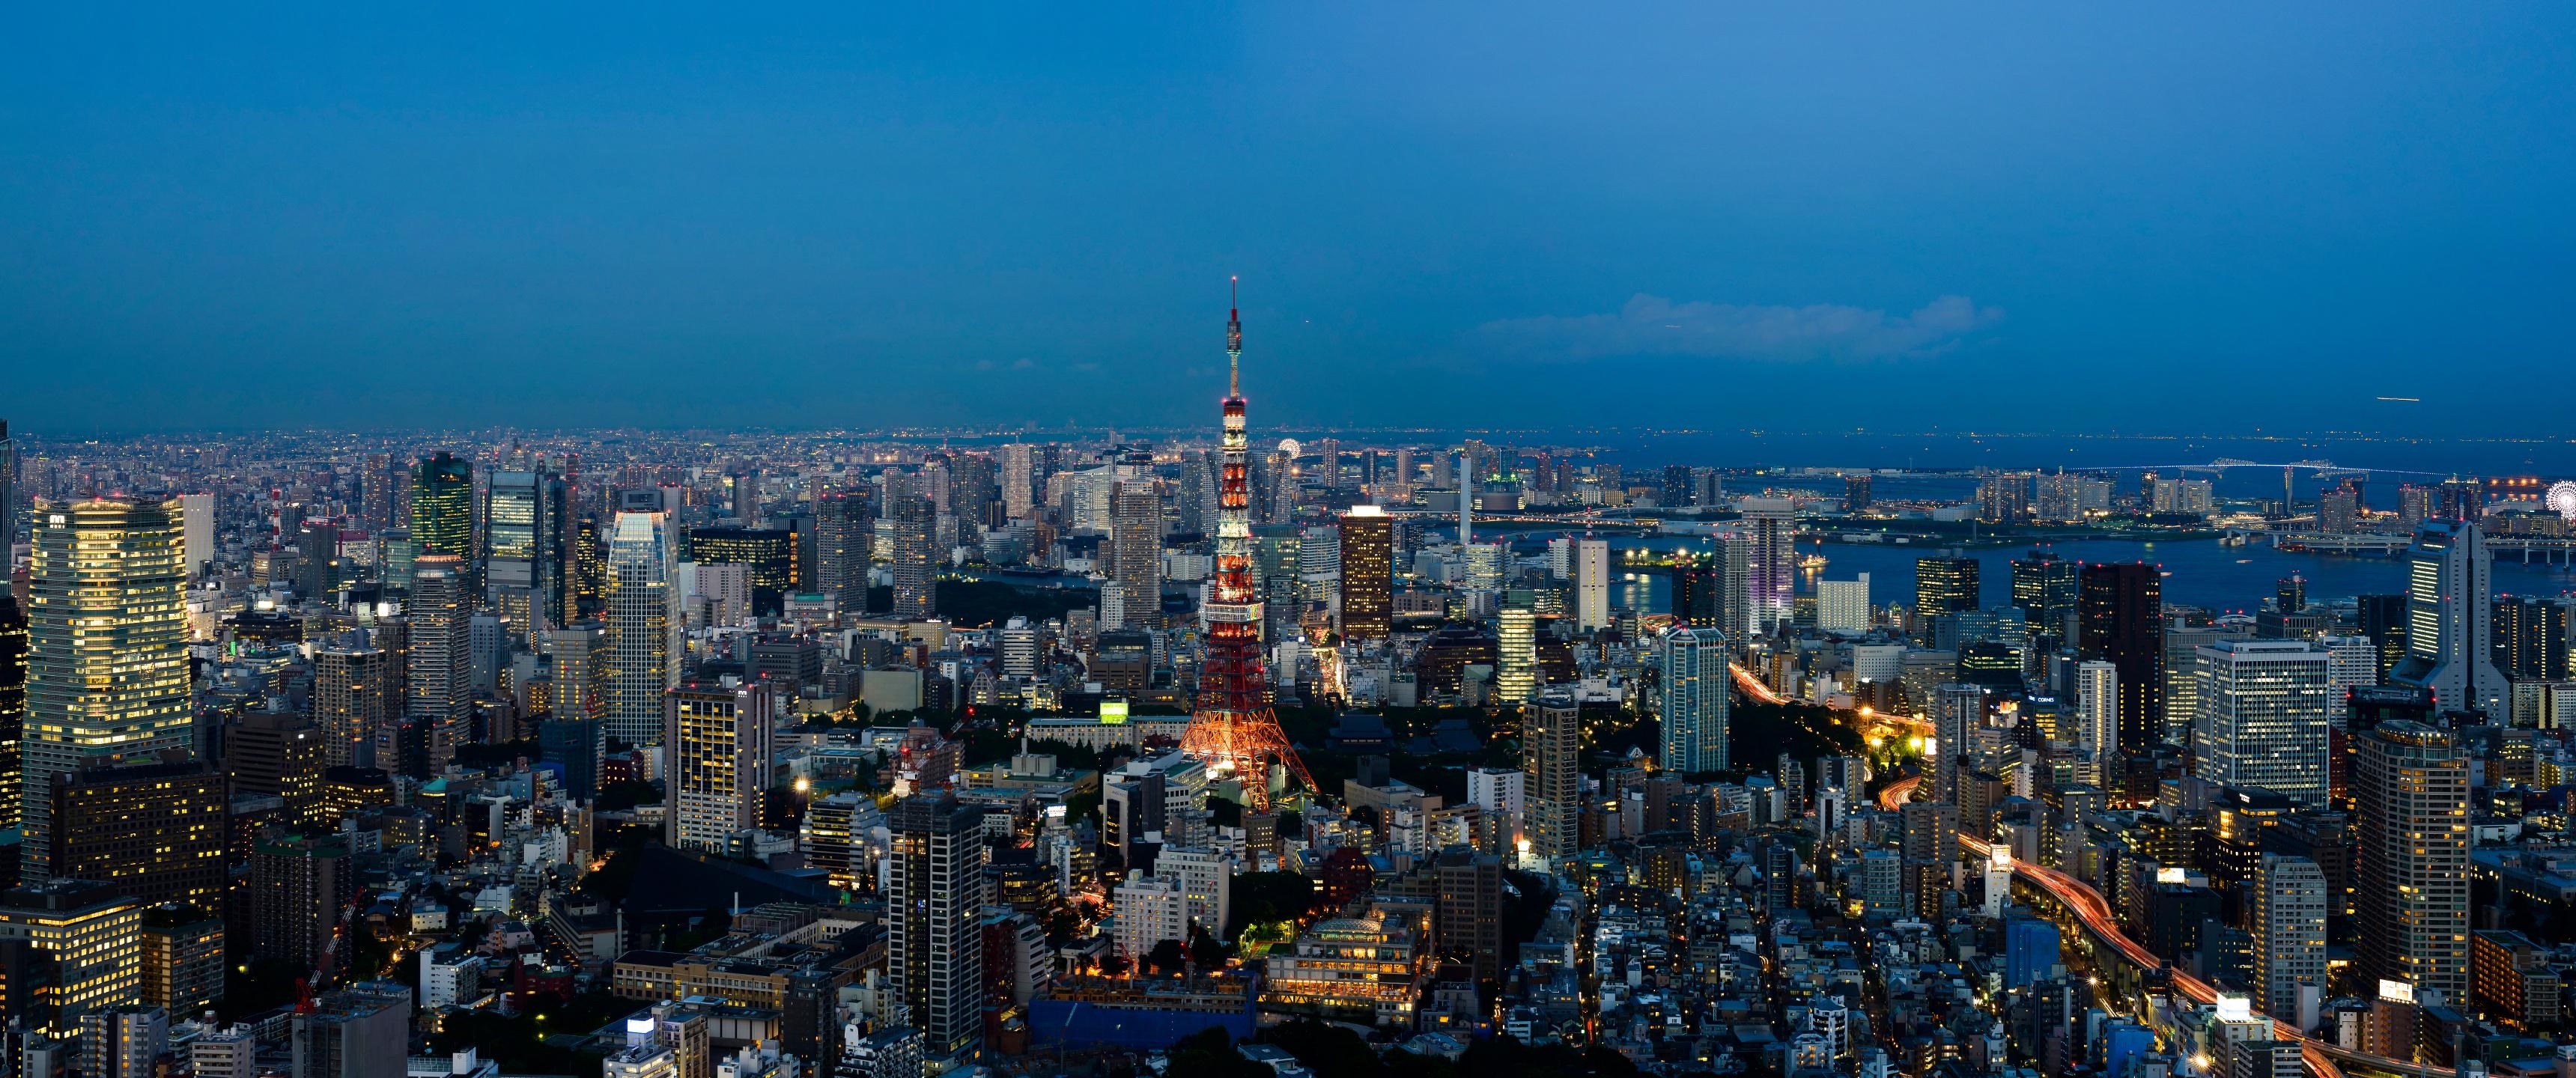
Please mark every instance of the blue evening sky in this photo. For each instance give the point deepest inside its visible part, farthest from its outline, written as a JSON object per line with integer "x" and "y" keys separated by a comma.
{"x": 2044, "y": 217}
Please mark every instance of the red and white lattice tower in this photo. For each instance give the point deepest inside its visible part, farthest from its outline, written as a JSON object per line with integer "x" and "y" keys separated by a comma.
{"x": 1233, "y": 729}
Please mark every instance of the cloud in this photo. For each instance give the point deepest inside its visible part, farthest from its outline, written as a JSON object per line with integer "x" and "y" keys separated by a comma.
{"x": 1655, "y": 326}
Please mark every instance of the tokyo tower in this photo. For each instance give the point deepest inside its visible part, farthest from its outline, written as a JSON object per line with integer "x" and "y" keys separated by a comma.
{"x": 1233, "y": 729}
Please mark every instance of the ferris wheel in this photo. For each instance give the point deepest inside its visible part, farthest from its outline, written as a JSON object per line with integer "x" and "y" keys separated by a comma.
{"x": 2562, "y": 499}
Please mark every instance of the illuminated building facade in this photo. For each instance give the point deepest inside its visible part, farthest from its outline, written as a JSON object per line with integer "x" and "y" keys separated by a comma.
{"x": 95, "y": 937}
{"x": 442, "y": 506}
{"x": 643, "y": 600}
{"x": 440, "y": 674}
{"x": 2410, "y": 787}
{"x": 1368, "y": 573}
{"x": 156, "y": 832}
{"x": 771, "y": 554}
{"x": 1354, "y": 969}
{"x": 107, "y": 641}
{"x": 718, "y": 740}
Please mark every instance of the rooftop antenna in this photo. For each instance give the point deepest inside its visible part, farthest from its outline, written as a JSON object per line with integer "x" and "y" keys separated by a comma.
{"x": 1233, "y": 337}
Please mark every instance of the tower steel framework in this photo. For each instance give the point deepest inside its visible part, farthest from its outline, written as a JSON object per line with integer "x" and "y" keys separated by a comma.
{"x": 1233, "y": 729}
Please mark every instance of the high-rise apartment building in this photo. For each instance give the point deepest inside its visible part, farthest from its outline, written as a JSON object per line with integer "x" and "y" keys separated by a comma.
{"x": 934, "y": 941}
{"x": 350, "y": 703}
{"x": 1551, "y": 755}
{"x": 2120, "y": 620}
{"x": 297, "y": 885}
{"x": 843, "y": 524}
{"x": 197, "y": 531}
{"x": 1136, "y": 554}
{"x": 2410, "y": 788}
{"x": 1694, "y": 701}
{"x": 643, "y": 626}
{"x": 718, "y": 741}
{"x": 2264, "y": 712}
{"x": 2287, "y": 919}
{"x": 13, "y": 704}
{"x": 1592, "y": 585}
{"x": 1368, "y": 573}
{"x": 2449, "y": 634}
{"x": 442, "y": 506}
{"x": 1771, "y": 562}
{"x": 913, "y": 562}
{"x": 2097, "y": 707}
{"x": 440, "y": 677}
{"x": 107, "y": 671}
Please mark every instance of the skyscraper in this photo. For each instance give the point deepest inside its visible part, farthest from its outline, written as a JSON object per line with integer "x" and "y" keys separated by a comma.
{"x": 2288, "y": 922}
{"x": 1694, "y": 701}
{"x": 2097, "y": 702}
{"x": 154, "y": 831}
{"x": 643, "y": 625}
{"x": 2263, "y": 717}
{"x": 912, "y": 559}
{"x": 718, "y": 738}
{"x": 934, "y": 941}
{"x": 1516, "y": 680}
{"x": 13, "y": 704}
{"x": 1551, "y": 755}
{"x": 2449, "y": 641}
{"x": 2044, "y": 586}
{"x": 351, "y": 704}
{"x": 1368, "y": 573}
{"x": 769, "y": 552}
{"x": 1771, "y": 562}
{"x": 1944, "y": 584}
{"x": 2410, "y": 786}
{"x": 582, "y": 659}
{"x": 2120, "y": 620}
{"x": 843, "y": 524}
{"x": 442, "y": 506}
{"x": 441, "y": 673}
{"x": 1019, "y": 479}
{"x": 107, "y": 639}
{"x": 1136, "y": 558}
{"x": 523, "y": 551}
{"x": 1592, "y": 585}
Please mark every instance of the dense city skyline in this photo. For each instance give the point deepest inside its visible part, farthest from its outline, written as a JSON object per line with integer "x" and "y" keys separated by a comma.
{"x": 1445, "y": 216}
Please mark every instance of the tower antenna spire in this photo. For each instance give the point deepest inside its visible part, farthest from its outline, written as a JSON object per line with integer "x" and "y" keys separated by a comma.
{"x": 1233, "y": 337}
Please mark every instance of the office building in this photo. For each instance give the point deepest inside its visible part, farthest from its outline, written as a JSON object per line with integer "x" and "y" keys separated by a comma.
{"x": 1135, "y": 553}
{"x": 2410, "y": 788}
{"x": 770, "y": 552}
{"x": 1843, "y": 605}
{"x": 155, "y": 832}
{"x": 1368, "y": 573}
{"x": 93, "y": 934}
{"x": 1551, "y": 754}
{"x": 2352, "y": 662}
{"x": 2264, "y": 712}
{"x": 442, "y": 506}
{"x": 2529, "y": 638}
{"x": 1945, "y": 584}
{"x": 2449, "y": 635}
{"x": 523, "y": 551}
{"x": 643, "y": 625}
{"x": 1591, "y": 571}
{"x": 2120, "y": 620}
{"x": 124, "y": 1042}
{"x": 196, "y": 530}
{"x": 277, "y": 754}
{"x": 1693, "y": 708}
{"x": 577, "y": 744}
{"x": 440, "y": 677}
{"x": 2287, "y": 919}
{"x": 1771, "y": 562}
{"x": 718, "y": 741}
{"x": 2046, "y": 589}
{"x": 107, "y": 674}
{"x": 934, "y": 942}
{"x": 1467, "y": 918}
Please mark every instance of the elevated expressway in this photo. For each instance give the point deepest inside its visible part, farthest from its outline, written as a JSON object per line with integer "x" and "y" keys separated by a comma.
{"x": 2085, "y": 906}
